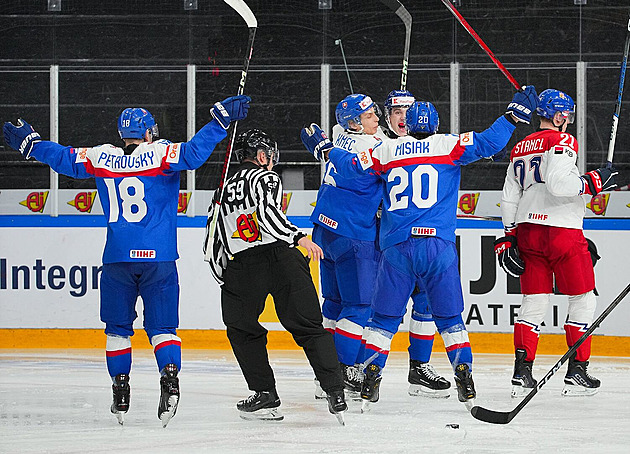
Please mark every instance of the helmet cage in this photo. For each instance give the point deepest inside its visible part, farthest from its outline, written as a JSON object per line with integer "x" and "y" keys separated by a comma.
{"x": 254, "y": 140}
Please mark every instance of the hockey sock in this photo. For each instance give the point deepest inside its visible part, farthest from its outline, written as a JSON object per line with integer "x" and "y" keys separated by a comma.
{"x": 455, "y": 336}
{"x": 377, "y": 338}
{"x": 167, "y": 349}
{"x": 118, "y": 355}
{"x": 349, "y": 331}
{"x": 526, "y": 338}
{"x": 330, "y": 313}
{"x": 421, "y": 335}
{"x": 573, "y": 332}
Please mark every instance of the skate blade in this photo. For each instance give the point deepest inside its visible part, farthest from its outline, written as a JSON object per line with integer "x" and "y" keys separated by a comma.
{"x": 165, "y": 417}
{"x": 578, "y": 391}
{"x": 320, "y": 397}
{"x": 120, "y": 417}
{"x": 366, "y": 406}
{"x": 340, "y": 417}
{"x": 264, "y": 414}
{"x": 519, "y": 392}
{"x": 423, "y": 391}
{"x": 469, "y": 404}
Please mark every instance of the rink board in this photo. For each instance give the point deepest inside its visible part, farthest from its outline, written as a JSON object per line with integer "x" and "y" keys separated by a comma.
{"x": 49, "y": 269}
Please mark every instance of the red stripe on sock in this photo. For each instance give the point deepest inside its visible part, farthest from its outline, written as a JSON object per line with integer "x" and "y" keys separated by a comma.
{"x": 347, "y": 334}
{"x": 374, "y": 348}
{"x": 113, "y": 353}
{"x": 166, "y": 344}
{"x": 450, "y": 348}
{"x": 422, "y": 336}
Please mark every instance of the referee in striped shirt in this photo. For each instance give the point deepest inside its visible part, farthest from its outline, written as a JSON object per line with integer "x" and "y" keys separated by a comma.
{"x": 252, "y": 255}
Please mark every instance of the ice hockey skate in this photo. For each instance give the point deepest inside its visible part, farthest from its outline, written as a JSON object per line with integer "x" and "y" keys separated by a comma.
{"x": 577, "y": 381}
{"x": 319, "y": 392}
{"x": 371, "y": 387}
{"x": 465, "y": 386}
{"x": 169, "y": 394}
{"x": 425, "y": 381}
{"x": 352, "y": 380}
{"x": 262, "y": 405}
{"x": 337, "y": 405}
{"x": 522, "y": 380}
{"x": 122, "y": 394}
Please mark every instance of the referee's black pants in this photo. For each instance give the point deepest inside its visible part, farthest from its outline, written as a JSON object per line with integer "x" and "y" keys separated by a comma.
{"x": 283, "y": 272}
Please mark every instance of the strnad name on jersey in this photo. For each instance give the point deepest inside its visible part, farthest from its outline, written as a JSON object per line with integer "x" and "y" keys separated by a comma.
{"x": 423, "y": 231}
{"x": 329, "y": 222}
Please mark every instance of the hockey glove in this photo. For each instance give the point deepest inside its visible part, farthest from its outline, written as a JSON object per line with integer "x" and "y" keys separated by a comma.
{"x": 523, "y": 104}
{"x": 507, "y": 253}
{"x": 231, "y": 109}
{"x": 21, "y": 137}
{"x": 316, "y": 141}
{"x": 599, "y": 180}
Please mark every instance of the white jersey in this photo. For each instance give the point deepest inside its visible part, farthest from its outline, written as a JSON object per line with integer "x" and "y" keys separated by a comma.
{"x": 543, "y": 184}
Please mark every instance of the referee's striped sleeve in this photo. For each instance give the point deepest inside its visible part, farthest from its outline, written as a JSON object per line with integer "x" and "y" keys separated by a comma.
{"x": 268, "y": 189}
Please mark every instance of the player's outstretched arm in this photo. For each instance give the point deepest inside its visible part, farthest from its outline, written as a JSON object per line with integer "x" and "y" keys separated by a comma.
{"x": 65, "y": 160}
{"x": 197, "y": 150}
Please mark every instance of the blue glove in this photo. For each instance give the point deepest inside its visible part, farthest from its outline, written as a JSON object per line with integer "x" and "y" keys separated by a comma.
{"x": 21, "y": 137}
{"x": 316, "y": 141}
{"x": 523, "y": 104}
{"x": 231, "y": 109}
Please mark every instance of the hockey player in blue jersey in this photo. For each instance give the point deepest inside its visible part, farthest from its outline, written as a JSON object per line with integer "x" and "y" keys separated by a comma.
{"x": 344, "y": 221}
{"x": 138, "y": 185}
{"x": 417, "y": 235}
{"x": 422, "y": 377}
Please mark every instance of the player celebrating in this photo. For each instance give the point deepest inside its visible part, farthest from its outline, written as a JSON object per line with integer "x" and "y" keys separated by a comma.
{"x": 543, "y": 205}
{"x": 345, "y": 227}
{"x": 417, "y": 233}
{"x": 138, "y": 186}
{"x": 423, "y": 378}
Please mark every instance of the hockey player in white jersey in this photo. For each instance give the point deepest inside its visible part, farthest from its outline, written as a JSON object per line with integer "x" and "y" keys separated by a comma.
{"x": 344, "y": 221}
{"x": 417, "y": 236}
{"x": 138, "y": 186}
{"x": 543, "y": 206}
{"x": 422, "y": 377}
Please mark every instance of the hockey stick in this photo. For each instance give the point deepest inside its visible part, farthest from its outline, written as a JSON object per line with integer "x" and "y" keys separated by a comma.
{"x": 345, "y": 64}
{"x": 483, "y": 45}
{"x": 504, "y": 417}
{"x": 615, "y": 119}
{"x": 405, "y": 17}
{"x": 243, "y": 10}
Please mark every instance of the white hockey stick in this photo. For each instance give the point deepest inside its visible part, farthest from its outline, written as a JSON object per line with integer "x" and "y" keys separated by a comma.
{"x": 405, "y": 17}
{"x": 615, "y": 119}
{"x": 252, "y": 24}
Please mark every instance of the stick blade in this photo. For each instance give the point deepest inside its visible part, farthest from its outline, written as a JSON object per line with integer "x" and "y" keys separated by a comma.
{"x": 243, "y": 10}
{"x": 493, "y": 417}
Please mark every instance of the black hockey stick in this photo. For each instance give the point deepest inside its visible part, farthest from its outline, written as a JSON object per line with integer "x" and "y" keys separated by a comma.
{"x": 243, "y": 10}
{"x": 615, "y": 119}
{"x": 504, "y": 417}
{"x": 405, "y": 17}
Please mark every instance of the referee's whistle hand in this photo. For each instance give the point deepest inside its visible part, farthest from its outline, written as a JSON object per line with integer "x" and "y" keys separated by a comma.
{"x": 312, "y": 249}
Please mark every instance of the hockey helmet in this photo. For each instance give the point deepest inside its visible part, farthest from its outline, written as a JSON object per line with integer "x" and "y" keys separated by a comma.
{"x": 134, "y": 122}
{"x": 249, "y": 143}
{"x": 397, "y": 98}
{"x": 422, "y": 117}
{"x": 351, "y": 107}
{"x": 551, "y": 101}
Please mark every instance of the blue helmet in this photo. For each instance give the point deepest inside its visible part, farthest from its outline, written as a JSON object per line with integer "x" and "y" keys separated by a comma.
{"x": 551, "y": 101}
{"x": 397, "y": 98}
{"x": 351, "y": 107}
{"x": 422, "y": 117}
{"x": 134, "y": 122}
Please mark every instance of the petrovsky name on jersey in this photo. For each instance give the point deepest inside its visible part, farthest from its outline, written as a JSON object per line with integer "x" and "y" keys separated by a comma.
{"x": 105, "y": 160}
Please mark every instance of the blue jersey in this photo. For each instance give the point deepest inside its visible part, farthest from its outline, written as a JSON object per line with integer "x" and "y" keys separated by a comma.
{"x": 138, "y": 192}
{"x": 422, "y": 178}
{"x": 347, "y": 205}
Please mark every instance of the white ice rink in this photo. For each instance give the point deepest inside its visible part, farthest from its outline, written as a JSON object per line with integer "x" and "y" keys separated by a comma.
{"x": 58, "y": 401}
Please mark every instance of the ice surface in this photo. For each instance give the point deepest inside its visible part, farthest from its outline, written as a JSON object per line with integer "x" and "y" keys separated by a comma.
{"x": 58, "y": 401}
